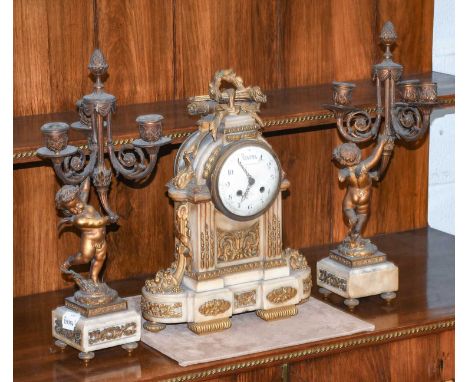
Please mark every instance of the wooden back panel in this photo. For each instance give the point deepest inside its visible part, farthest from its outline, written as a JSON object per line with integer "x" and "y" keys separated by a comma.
{"x": 166, "y": 49}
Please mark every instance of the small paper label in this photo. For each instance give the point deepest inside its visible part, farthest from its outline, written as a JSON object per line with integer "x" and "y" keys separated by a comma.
{"x": 69, "y": 320}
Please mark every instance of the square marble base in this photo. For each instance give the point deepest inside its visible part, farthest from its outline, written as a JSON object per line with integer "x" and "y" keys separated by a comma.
{"x": 357, "y": 282}
{"x": 99, "y": 332}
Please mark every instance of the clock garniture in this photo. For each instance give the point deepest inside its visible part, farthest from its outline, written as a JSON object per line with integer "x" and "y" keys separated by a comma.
{"x": 96, "y": 317}
{"x": 228, "y": 241}
{"x": 356, "y": 268}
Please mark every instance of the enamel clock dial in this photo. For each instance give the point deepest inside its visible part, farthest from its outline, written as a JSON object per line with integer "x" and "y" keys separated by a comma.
{"x": 246, "y": 180}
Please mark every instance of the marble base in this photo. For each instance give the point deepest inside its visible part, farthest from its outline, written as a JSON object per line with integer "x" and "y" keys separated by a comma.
{"x": 357, "y": 282}
{"x": 209, "y": 310}
{"x": 93, "y": 333}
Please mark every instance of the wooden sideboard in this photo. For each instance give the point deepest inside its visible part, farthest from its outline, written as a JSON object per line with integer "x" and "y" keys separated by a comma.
{"x": 413, "y": 340}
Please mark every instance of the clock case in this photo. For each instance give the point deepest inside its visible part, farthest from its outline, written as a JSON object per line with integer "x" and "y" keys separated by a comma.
{"x": 225, "y": 264}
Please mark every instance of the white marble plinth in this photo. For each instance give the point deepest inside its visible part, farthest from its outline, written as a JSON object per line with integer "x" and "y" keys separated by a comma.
{"x": 93, "y": 333}
{"x": 357, "y": 282}
{"x": 198, "y": 305}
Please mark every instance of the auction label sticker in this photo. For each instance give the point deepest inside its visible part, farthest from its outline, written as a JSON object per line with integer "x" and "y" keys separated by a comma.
{"x": 69, "y": 320}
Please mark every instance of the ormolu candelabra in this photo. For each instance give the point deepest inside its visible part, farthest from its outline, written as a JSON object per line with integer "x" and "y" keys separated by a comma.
{"x": 76, "y": 324}
{"x": 404, "y": 115}
{"x": 95, "y": 112}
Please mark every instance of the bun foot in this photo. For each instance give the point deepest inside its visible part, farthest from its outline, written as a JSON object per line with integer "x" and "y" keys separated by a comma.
{"x": 154, "y": 327}
{"x": 351, "y": 303}
{"x": 61, "y": 345}
{"x": 86, "y": 357}
{"x": 325, "y": 293}
{"x": 388, "y": 297}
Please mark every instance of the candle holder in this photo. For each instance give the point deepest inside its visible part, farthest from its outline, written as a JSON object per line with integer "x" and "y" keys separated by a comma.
{"x": 356, "y": 268}
{"x": 71, "y": 163}
{"x": 95, "y": 317}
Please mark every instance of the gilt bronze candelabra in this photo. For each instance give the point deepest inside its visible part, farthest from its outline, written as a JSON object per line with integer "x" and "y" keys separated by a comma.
{"x": 76, "y": 324}
{"x": 404, "y": 115}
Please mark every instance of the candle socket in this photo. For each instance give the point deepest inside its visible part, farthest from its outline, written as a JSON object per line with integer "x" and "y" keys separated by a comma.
{"x": 409, "y": 90}
{"x": 150, "y": 127}
{"x": 55, "y": 136}
{"x": 342, "y": 93}
{"x": 428, "y": 92}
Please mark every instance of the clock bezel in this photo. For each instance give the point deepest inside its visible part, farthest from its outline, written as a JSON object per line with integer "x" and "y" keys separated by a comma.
{"x": 214, "y": 178}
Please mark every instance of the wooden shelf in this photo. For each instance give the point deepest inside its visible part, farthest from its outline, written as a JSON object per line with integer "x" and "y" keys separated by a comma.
{"x": 286, "y": 109}
{"x": 425, "y": 306}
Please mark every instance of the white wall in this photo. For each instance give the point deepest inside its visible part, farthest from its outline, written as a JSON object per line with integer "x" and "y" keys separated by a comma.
{"x": 442, "y": 132}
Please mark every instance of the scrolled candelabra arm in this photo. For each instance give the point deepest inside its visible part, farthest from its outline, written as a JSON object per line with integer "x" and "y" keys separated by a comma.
{"x": 69, "y": 162}
{"x": 131, "y": 161}
{"x": 407, "y": 122}
{"x": 354, "y": 125}
{"x": 411, "y": 118}
{"x": 72, "y": 169}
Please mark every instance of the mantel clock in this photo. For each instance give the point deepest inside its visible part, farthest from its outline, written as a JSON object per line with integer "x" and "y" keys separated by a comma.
{"x": 227, "y": 203}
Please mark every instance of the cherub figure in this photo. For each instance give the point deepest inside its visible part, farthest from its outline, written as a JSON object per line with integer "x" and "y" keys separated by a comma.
{"x": 358, "y": 177}
{"x": 72, "y": 200}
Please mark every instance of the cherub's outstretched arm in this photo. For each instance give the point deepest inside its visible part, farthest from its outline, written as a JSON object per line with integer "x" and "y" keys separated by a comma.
{"x": 84, "y": 190}
{"x": 373, "y": 159}
{"x": 64, "y": 221}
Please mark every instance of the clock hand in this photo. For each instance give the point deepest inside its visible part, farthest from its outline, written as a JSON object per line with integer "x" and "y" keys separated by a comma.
{"x": 244, "y": 196}
{"x": 250, "y": 179}
{"x": 245, "y": 170}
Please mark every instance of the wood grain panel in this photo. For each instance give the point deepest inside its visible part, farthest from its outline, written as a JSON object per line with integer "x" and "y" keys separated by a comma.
{"x": 306, "y": 205}
{"x": 326, "y": 41}
{"x": 144, "y": 240}
{"x": 415, "y": 359}
{"x": 52, "y": 44}
{"x": 211, "y": 35}
{"x": 373, "y": 366}
{"x": 353, "y": 38}
{"x": 136, "y": 36}
{"x": 413, "y": 21}
{"x": 307, "y": 52}
{"x": 38, "y": 250}
{"x": 447, "y": 355}
{"x": 271, "y": 374}
{"x": 401, "y": 196}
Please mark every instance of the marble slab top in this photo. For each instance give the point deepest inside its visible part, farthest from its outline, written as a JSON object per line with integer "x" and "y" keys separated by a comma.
{"x": 316, "y": 321}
